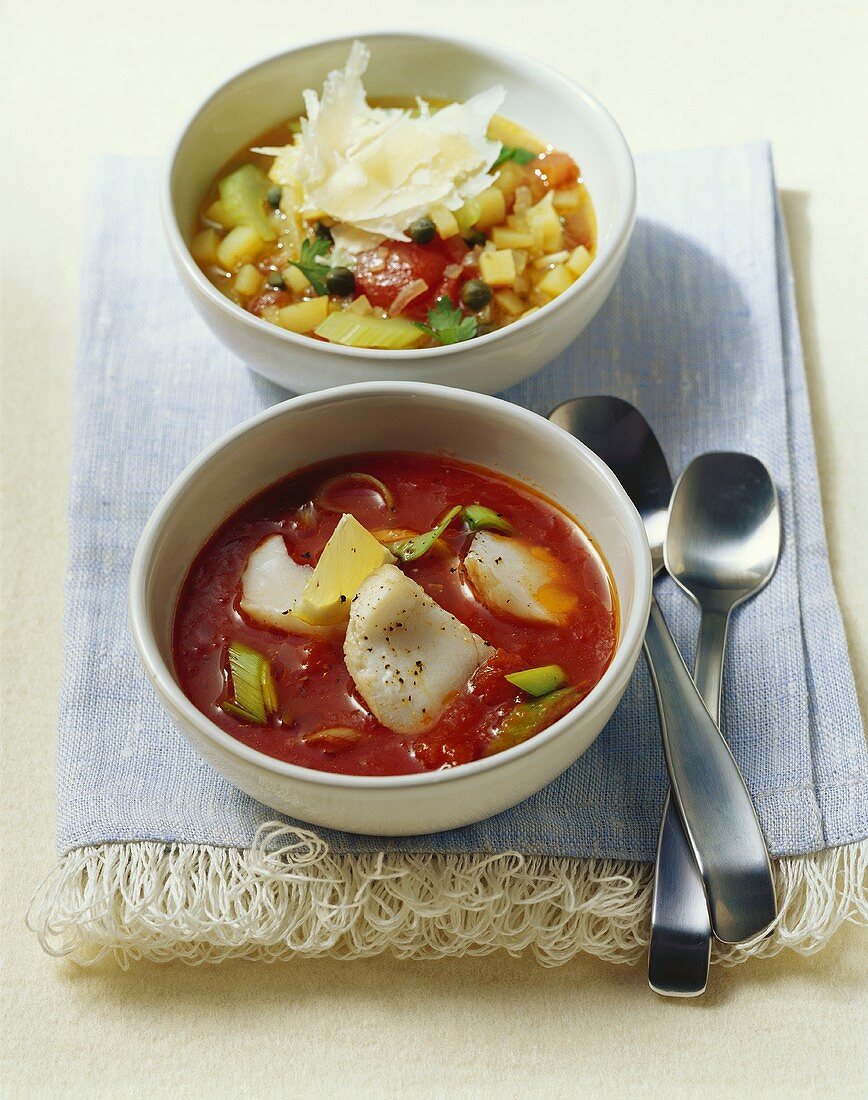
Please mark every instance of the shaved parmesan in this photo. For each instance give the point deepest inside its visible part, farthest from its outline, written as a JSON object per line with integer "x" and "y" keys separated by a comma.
{"x": 378, "y": 169}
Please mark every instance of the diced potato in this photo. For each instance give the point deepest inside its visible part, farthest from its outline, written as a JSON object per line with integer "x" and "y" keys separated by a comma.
{"x": 204, "y": 246}
{"x": 511, "y": 238}
{"x": 444, "y": 222}
{"x": 528, "y": 312}
{"x": 497, "y": 268}
{"x": 510, "y": 175}
{"x": 359, "y": 305}
{"x": 545, "y": 224}
{"x": 556, "y": 281}
{"x": 239, "y": 245}
{"x": 579, "y": 261}
{"x": 492, "y": 208}
{"x": 510, "y": 133}
{"x": 296, "y": 280}
{"x": 567, "y": 198}
{"x": 248, "y": 280}
{"x": 509, "y": 302}
{"x": 304, "y": 316}
{"x": 217, "y": 212}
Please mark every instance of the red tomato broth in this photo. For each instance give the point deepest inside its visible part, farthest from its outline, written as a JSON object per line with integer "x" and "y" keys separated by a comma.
{"x": 314, "y": 688}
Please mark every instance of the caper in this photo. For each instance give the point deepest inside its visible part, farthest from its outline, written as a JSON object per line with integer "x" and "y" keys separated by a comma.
{"x": 474, "y": 237}
{"x": 476, "y": 294}
{"x": 323, "y": 232}
{"x": 423, "y": 231}
{"x": 272, "y": 195}
{"x": 275, "y": 280}
{"x": 341, "y": 282}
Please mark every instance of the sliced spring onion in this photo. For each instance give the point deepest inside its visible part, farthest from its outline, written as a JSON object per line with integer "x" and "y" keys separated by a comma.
{"x": 526, "y": 719}
{"x": 413, "y": 548}
{"x": 254, "y": 693}
{"x": 353, "y": 331}
{"x": 321, "y": 495}
{"x": 539, "y": 681}
{"x": 479, "y": 518}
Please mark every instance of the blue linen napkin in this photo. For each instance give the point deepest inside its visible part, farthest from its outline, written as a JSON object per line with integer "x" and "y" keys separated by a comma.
{"x": 700, "y": 333}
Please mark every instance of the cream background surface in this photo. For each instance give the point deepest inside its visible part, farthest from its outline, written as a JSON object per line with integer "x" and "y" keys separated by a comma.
{"x": 93, "y": 76}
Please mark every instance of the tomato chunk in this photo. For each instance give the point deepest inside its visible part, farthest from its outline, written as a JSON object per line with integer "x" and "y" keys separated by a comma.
{"x": 382, "y": 277}
{"x": 557, "y": 169}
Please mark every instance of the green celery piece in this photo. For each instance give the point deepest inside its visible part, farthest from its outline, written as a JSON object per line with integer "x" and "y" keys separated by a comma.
{"x": 254, "y": 694}
{"x": 242, "y": 195}
{"x": 479, "y": 518}
{"x": 355, "y": 331}
{"x": 539, "y": 681}
{"x": 413, "y": 548}
{"x": 526, "y": 719}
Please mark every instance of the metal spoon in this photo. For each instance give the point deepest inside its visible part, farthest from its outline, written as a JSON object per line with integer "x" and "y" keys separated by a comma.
{"x": 713, "y": 802}
{"x": 722, "y": 547}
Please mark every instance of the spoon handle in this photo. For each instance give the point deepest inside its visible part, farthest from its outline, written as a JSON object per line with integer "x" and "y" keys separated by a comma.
{"x": 679, "y": 949}
{"x": 680, "y": 946}
{"x": 708, "y": 667}
{"x": 714, "y": 805}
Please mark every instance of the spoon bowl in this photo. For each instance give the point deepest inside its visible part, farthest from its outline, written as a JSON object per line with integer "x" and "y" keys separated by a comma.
{"x": 724, "y": 535}
{"x": 622, "y": 437}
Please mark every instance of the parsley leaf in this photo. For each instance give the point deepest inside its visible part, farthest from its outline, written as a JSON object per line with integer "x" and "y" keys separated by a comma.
{"x": 447, "y": 324}
{"x": 308, "y": 265}
{"x": 512, "y": 152}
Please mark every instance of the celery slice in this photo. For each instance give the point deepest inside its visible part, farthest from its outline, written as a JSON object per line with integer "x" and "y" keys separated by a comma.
{"x": 254, "y": 693}
{"x": 539, "y": 681}
{"x": 413, "y": 548}
{"x": 242, "y": 200}
{"x": 479, "y": 518}
{"x": 355, "y": 331}
{"x": 526, "y": 719}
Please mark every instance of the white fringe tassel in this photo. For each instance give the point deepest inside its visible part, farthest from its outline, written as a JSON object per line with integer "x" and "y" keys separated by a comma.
{"x": 288, "y": 896}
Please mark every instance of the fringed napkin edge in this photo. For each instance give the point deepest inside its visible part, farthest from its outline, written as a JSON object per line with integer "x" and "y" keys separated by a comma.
{"x": 288, "y": 896}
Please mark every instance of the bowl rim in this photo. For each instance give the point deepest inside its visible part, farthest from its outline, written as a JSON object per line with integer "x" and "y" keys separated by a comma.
{"x": 167, "y": 510}
{"x": 612, "y": 248}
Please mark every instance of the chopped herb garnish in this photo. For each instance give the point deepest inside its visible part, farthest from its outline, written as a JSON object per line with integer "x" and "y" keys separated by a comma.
{"x": 308, "y": 263}
{"x": 513, "y": 152}
{"x": 447, "y": 324}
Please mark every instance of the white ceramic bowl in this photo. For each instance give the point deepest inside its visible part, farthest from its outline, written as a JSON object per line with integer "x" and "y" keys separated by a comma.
{"x": 371, "y": 417}
{"x": 404, "y": 64}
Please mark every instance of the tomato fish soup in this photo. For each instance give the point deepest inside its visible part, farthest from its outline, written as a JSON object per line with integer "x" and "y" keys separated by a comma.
{"x": 395, "y": 224}
{"x": 389, "y": 613}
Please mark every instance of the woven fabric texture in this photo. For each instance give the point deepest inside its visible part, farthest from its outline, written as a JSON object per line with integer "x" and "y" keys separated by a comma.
{"x": 700, "y": 333}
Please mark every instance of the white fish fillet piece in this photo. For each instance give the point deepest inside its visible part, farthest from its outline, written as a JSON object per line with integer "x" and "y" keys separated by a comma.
{"x": 272, "y": 584}
{"x": 507, "y": 576}
{"x": 406, "y": 654}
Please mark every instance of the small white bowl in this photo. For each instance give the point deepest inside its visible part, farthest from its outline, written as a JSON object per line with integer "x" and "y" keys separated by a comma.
{"x": 260, "y": 97}
{"x": 374, "y": 417}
